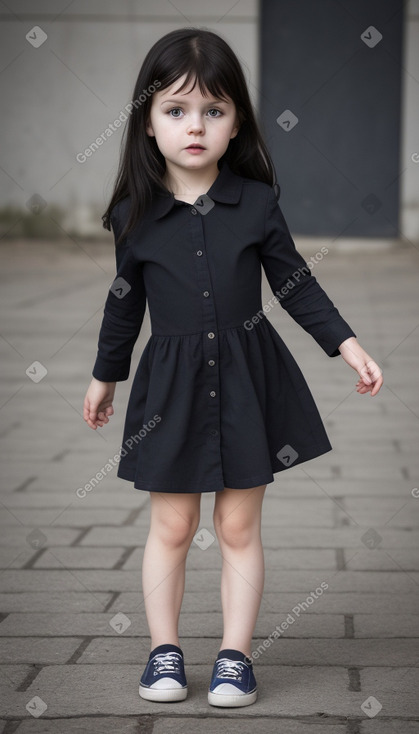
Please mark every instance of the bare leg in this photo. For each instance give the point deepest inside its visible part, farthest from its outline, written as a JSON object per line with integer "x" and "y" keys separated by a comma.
{"x": 237, "y": 520}
{"x": 174, "y": 521}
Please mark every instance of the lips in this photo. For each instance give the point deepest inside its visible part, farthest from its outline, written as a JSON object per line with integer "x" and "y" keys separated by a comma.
{"x": 196, "y": 145}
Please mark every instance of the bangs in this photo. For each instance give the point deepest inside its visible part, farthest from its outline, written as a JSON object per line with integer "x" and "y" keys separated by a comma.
{"x": 210, "y": 81}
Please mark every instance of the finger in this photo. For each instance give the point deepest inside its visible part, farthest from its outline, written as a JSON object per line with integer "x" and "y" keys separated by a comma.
{"x": 86, "y": 409}
{"x": 361, "y": 385}
{"x": 377, "y": 386}
{"x": 93, "y": 417}
{"x": 374, "y": 370}
{"x": 377, "y": 376}
{"x": 364, "y": 373}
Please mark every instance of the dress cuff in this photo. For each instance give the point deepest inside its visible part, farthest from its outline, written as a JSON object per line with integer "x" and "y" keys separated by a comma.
{"x": 330, "y": 338}
{"x": 110, "y": 372}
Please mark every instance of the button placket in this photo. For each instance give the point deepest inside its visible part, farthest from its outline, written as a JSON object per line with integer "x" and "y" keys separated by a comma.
{"x": 209, "y": 329}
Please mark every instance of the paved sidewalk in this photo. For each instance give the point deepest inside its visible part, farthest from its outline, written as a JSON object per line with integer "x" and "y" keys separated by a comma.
{"x": 74, "y": 634}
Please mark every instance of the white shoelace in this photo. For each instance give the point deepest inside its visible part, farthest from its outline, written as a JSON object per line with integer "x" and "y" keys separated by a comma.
{"x": 166, "y": 662}
{"x": 227, "y": 668}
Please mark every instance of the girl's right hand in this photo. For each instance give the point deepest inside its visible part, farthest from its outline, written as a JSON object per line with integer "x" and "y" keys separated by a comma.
{"x": 98, "y": 403}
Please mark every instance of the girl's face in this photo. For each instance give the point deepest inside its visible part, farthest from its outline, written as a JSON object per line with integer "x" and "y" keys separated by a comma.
{"x": 177, "y": 120}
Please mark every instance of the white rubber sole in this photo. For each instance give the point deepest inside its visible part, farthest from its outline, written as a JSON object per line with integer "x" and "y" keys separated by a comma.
{"x": 161, "y": 694}
{"x": 224, "y": 699}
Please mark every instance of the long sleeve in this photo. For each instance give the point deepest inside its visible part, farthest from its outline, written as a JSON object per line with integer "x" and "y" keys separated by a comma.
{"x": 296, "y": 288}
{"x": 123, "y": 313}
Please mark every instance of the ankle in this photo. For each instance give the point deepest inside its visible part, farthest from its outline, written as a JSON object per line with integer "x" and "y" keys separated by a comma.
{"x": 164, "y": 642}
{"x": 245, "y": 650}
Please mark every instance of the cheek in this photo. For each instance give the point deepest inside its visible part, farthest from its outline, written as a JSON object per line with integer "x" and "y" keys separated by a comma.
{"x": 167, "y": 125}
{"x": 225, "y": 128}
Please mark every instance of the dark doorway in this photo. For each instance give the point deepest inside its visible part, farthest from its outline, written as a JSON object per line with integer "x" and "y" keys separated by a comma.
{"x": 335, "y": 86}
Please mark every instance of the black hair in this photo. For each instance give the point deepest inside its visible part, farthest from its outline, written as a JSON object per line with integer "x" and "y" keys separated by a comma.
{"x": 204, "y": 57}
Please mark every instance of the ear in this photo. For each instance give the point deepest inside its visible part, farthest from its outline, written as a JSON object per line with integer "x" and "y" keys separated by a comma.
{"x": 234, "y": 131}
{"x": 149, "y": 129}
{"x": 236, "y": 127}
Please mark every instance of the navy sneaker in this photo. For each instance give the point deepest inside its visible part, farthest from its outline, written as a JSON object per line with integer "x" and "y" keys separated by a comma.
{"x": 164, "y": 675}
{"x": 233, "y": 682}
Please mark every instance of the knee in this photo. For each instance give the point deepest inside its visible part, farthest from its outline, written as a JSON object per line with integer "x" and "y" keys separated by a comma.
{"x": 176, "y": 530}
{"x": 235, "y": 531}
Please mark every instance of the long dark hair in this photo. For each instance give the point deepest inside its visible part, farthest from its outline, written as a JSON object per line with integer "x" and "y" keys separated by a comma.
{"x": 204, "y": 57}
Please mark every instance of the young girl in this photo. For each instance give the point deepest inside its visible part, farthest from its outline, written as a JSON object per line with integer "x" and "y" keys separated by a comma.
{"x": 218, "y": 403}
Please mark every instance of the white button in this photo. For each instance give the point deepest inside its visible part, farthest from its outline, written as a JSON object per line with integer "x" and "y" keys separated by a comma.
{"x": 211, "y": 335}
{"x": 213, "y": 393}
{"x": 199, "y": 253}
{"x": 211, "y": 362}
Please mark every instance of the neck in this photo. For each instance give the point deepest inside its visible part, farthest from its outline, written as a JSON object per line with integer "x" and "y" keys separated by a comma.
{"x": 189, "y": 183}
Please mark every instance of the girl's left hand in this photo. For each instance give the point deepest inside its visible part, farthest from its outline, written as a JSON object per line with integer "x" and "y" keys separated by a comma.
{"x": 370, "y": 374}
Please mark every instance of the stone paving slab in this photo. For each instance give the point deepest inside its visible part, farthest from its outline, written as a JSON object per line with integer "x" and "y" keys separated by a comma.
{"x": 16, "y": 558}
{"x": 100, "y": 558}
{"x": 201, "y": 602}
{"x": 54, "y": 498}
{"x": 380, "y": 726}
{"x": 309, "y": 512}
{"x": 394, "y": 560}
{"x": 64, "y": 517}
{"x": 299, "y": 581}
{"x": 90, "y": 725}
{"x": 272, "y": 536}
{"x": 401, "y": 513}
{"x": 195, "y": 649}
{"x": 113, "y": 690}
{"x": 300, "y": 624}
{"x": 337, "y": 487}
{"x": 35, "y": 624}
{"x": 179, "y": 725}
{"x": 283, "y": 602}
{"x": 335, "y": 652}
{"x": 41, "y": 650}
{"x": 387, "y": 625}
{"x": 283, "y": 690}
{"x": 297, "y": 559}
{"x": 12, "y": 676}
{"x": 17, "y": 536}
{"x": 244, "y": 726}
{"x": 54, "y": 601}
{"x": 393, "y": 687}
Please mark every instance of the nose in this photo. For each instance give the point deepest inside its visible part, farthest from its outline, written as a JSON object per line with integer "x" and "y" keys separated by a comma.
{"x": 195, "y": 123}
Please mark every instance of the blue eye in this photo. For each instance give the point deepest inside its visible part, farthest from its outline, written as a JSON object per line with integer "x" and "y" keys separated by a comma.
{"x": 177, "y": 109}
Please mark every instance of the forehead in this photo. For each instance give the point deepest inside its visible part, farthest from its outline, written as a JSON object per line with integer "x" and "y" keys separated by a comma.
{"x": 187, "y": 94}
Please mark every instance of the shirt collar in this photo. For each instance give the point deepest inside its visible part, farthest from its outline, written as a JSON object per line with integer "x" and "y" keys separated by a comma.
{"x": 225, "y": 189}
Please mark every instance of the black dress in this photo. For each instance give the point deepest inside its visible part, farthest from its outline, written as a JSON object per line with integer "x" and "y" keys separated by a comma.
{"x": 217, "y": 399}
